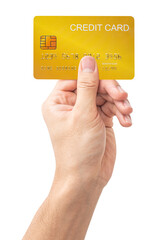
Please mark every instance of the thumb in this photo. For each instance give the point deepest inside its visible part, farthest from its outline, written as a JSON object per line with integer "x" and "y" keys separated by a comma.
{"x": 87, "y": 83}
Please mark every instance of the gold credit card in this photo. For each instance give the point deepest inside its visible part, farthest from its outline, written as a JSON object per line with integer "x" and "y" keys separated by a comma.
{"x": 61, "y": 41}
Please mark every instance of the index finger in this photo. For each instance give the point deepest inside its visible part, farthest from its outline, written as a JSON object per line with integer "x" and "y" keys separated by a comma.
{"x": 113, "y": 89}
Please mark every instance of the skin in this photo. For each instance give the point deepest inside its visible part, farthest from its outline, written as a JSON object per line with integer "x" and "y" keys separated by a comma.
{"x": 79, "y": 117}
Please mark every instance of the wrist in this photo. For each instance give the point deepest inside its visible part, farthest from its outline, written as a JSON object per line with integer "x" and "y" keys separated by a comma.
{"x": 74, "y": 188}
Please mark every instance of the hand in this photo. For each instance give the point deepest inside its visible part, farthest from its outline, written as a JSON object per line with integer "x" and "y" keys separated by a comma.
{"x": 79, "y": 117}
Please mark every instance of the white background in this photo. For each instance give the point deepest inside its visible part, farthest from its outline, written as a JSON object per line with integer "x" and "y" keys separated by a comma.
{"x": 129, "y": 208}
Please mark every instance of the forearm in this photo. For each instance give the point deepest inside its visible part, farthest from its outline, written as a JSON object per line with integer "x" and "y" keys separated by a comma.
{"x": 66, "y": 213}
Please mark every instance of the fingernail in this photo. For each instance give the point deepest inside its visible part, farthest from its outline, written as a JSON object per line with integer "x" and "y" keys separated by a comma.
{"x": 88, "y": 64}
{"x": 128, "y": 119}
{"x": 120, "y": 89}
{"x": 126, "y": 103}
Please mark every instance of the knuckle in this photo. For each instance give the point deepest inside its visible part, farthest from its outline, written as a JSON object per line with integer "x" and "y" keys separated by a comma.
{"x": 127, "y": 111}
{"x": 88, "y": 82}
{"x": 107, "y": 110}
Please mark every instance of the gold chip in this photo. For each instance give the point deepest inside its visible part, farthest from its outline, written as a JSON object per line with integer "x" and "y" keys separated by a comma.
{"x": 48, "y": 42}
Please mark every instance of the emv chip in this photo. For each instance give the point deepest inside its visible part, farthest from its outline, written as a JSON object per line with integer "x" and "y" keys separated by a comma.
{"x": 48, "y": 42}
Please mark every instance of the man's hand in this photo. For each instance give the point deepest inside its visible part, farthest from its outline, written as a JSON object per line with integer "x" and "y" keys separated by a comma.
{"x": 79, "y": 117}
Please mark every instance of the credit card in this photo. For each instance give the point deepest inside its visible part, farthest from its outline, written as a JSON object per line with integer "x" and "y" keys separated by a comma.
{"x": 61, "y": 41}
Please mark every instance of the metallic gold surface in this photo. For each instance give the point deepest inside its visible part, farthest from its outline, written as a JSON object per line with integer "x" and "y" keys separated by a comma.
{"x": 61, "y": 41}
